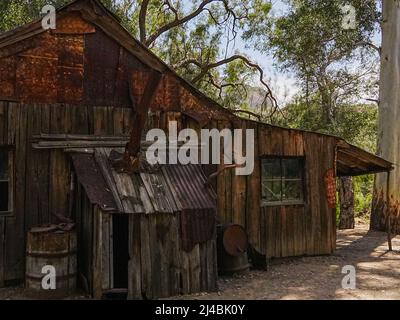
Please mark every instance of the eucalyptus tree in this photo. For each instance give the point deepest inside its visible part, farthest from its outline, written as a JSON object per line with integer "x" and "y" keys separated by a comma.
{"x": 389, "y": 120}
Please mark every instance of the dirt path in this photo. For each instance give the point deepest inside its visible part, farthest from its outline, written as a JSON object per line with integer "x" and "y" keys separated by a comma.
{"x": 378, "y": 274}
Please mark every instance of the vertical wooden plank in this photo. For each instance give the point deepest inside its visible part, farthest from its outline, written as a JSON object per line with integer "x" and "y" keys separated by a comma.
{"x": 291, "y": 213}
{"x": 15, "y": 235}
{"x": 184, "y": 272}
{"x": 212, "y": 272}
{"x": 267, "y": 234}
{"x": 155, "y": 257}
{"x": 162, "y": 227}
{"x": 278, "y": 232}
{"x": 97, "y": 254}
{"x": 79, "y": 119}
{"x": 253, "y": 195}
{"x": 239, "y": 188}
{"x": 269, "y": 230}
{"x": 316, "y": 203}
{"x": 128, "y": 121}
{"x": 134, "y": 266}
{"x": 12, "y": 121}
{"x": 263, "y": 232}
{"x": 146, "y": 265}
{"x": 194, "y": 263}
{"x": 221, "y": 187}
{"x": 100, "y": 120}
{"x": 118, "y": 119}
{"x": 59, "y": 184}
{"x": 31, "y": 179}
{"x": 284, "y": 237}
{"x": 174, "y": 259}
{"x": 88, "y": 239}
{"x": 312, "y": 193}
{"x": 3, "y": 123}
{"x": 2, "y": 247}
{"x": 295, "y": 231}
{"x": 203, "y": 266}
{"x": 227, "y": 174}
{"x": 105, "y": 251}
{"x": 43, "y": 169}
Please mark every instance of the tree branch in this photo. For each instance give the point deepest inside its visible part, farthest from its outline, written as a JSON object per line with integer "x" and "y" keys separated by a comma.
{"x": 221, "y": 87}
{"x": 214, "y": 65}
{"x": 142, "y": 20}
{"x": 371, "y": 45}
{"x": 179, "y": 21}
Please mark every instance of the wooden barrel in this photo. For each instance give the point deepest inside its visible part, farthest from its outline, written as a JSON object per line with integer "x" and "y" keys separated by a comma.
{"x": 51, "y": 246}
{"x": 232, "y": 244}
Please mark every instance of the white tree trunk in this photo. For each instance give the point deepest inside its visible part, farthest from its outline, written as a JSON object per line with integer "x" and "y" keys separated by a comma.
{"x": 389, "y": 119}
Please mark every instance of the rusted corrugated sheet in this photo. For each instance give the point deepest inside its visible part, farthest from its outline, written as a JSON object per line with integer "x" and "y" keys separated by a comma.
{"x": 188, "y": 183}
{"x": 160, "y": 194}
{"x": 196, "y": 226}
{"x": 90, "y": 177}
{"x": 196, "y": 202}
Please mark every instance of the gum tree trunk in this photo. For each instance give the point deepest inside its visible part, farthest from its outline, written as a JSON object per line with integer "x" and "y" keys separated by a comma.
{"x": 346, "y": 197}
{"x": 389, "y": 119}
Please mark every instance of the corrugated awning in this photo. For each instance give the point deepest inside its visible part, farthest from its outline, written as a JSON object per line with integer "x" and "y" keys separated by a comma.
{"x": 170, "y": 189}
{"x": 354, "y": 161}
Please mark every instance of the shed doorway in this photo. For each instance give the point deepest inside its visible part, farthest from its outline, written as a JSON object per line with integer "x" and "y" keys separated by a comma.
{"x": 120, "y": 250}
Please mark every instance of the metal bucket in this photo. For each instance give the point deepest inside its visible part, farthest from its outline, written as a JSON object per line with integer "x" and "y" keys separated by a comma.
{"x": 50, "y": 246}
{"x": 232, "y": 249}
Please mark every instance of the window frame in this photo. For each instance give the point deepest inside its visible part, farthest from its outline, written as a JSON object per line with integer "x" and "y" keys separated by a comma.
{"x": 278, "y": 203}
{"x": 11, "y": 179}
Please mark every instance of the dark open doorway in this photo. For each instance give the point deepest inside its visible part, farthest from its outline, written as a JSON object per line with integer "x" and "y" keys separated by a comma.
{"x": 120, "y": 250}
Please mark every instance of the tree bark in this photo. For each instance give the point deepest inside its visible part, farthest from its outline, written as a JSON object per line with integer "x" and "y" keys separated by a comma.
{"x": 389, "y": 120}
{"x": 346, "y": 197}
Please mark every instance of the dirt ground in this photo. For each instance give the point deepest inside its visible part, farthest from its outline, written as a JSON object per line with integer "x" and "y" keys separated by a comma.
{"x": 378, "y": 274}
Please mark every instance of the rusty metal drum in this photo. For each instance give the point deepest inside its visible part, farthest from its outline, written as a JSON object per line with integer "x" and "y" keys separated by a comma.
{"x": 232, "y": 244}
{"x": 51, "y": 246}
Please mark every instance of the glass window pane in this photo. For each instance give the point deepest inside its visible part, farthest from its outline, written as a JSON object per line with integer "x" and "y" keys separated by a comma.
{"x": 292, "y": 168}
{"x": 292, "y": 190}
{"x": 3, "y": 196}
{"x": 272, "y": 190}
{"x": 272, "y": 168}
{"x": 3, "y": 164}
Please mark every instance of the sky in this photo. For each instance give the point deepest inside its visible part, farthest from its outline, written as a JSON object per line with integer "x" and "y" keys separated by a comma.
{"x": 284, "y": 85}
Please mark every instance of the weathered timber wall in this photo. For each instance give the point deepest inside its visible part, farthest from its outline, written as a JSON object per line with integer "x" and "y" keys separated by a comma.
{"x": 42, "y": 177}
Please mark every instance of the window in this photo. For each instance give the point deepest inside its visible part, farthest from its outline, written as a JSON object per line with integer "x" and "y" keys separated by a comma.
{"x": 282, "y": 181}
{"x": 5, "y": 181}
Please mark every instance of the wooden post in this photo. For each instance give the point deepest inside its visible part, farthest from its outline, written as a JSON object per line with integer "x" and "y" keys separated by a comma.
{"x": 389, "y": 227}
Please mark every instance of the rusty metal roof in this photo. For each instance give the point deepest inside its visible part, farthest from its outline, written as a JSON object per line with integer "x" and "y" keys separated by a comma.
{"x": 170, "y": 189}
{"x": 90, "y": 177}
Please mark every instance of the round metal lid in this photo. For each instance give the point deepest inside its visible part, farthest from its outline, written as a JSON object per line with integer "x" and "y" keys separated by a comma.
{"x": 235, "y": 240}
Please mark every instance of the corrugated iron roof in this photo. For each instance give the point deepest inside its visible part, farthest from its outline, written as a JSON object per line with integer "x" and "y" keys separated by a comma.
{"x": 172, "y": 188}
{"x": 90, "y": 177}
{"x": 188, "y": 183}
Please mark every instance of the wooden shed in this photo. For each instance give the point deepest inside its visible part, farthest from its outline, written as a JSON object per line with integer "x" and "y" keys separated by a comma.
{"x": 152, "y": 232}
{"x": 79, "y": 87}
